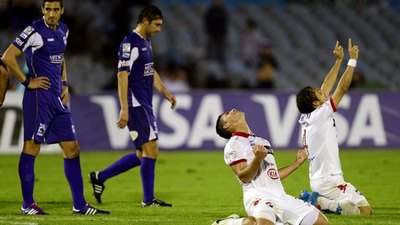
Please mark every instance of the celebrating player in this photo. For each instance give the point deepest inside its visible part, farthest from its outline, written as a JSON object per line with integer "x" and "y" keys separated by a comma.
{"x": 252, "y": 160}
{"x": 319, "y": 136}
{"x": 47, "y": 118}
{"x": 4, "y": 81}
{"x": 136, "y": 79}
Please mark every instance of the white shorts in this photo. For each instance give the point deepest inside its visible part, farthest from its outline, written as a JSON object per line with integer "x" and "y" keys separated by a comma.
{"x": 335, "y": 188}
{"x": 287, "y": 210}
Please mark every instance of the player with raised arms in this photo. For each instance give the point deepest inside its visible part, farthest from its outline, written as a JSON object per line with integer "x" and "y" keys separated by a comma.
{"x": 319, "y": 136}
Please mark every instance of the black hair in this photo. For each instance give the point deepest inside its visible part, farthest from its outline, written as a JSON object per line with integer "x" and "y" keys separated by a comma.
{"x": 305, "y": 99}
{"x": 150, "y": 12}
{"x": 219, "y": 128}
{"x": 61, "y": 2}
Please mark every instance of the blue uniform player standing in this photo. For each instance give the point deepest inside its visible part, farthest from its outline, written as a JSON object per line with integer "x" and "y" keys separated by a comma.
{"x": 136, "y": 79}
{"x": 47, "y": 118}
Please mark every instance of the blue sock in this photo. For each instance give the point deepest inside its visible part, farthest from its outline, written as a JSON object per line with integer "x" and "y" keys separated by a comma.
{"x": 147, "y": 171}
{"x": 26, "y": 170}
{"x": 73, "y": 173}
{"x": 123, "y": 164}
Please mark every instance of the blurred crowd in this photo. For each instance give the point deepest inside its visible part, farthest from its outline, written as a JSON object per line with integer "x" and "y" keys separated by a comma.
{"x": 98, "y": 26}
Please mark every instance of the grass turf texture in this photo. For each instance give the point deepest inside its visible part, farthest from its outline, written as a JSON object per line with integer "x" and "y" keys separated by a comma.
{"x": 199, "y": 184}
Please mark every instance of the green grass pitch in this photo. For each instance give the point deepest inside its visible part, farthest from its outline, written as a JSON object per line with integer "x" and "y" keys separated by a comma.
{"x": 199, "y": 184}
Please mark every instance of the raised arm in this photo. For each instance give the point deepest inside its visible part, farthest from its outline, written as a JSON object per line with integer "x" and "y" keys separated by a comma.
{"x": 345, "y": 80}
{"x": 159, "y": 85}
{"x": 330, "y": 78}
{"x": 300, "y": 158}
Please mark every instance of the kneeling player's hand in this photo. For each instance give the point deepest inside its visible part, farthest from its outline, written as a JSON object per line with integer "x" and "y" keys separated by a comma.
{"x": 301, "y": 156}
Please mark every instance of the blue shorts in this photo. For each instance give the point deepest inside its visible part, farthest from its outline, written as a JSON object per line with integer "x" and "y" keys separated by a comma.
{"x": 46, "y": 119}
{"x": 142, "y": 125}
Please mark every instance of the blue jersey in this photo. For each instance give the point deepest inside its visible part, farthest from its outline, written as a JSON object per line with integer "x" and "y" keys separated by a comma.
{"x": 44, "y": 52}
{"x": 136, "y": 57}
{"x": 46, "y": 119}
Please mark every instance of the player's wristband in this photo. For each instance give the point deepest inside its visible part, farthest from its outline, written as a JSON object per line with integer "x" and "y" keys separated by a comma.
{"x": 26, "y": 82}
{"x": 64, "y": 83}
{"x": 352, "y": 62}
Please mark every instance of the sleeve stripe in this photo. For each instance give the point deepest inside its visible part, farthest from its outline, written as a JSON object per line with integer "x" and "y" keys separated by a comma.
{"x": 237, "y": 162}
{"x": 333, "y": 105}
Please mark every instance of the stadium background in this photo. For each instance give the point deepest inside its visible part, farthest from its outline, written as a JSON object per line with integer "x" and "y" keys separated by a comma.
{"x": 301, "y": 34}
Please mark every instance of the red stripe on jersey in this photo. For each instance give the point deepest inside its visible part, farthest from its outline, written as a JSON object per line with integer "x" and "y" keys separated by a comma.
{"x": 333, "y": 105}
{"x": 237, "y": 162}
{"x": 241, "y": 134}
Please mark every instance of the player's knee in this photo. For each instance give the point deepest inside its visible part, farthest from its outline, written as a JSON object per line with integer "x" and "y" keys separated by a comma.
{"x": 249, "y": 220}
{"x": 31, "y": 148}
{"x": 365, "y": 211}
{"x": 321, "y": 220}
{"x": 71, "y": 149}
{"x": 261, "y": 221}
{"x": 150, "y": 149}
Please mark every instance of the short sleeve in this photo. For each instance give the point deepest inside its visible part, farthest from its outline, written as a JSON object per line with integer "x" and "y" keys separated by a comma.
{"x": 234, "y": 153}
{"x": 127, "y": 55}
{"x": 26, "y": 38}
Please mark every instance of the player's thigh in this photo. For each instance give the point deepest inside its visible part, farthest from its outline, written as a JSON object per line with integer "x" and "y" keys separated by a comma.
{"x": 293, "y": 210}
{"x": 262, "y": 210}
{"x": 143, "y": 124}
{"x": 61, "y": 129}
{"x": 333, "y": 188}
{"x": 36, "y": 119}
{"x": 342, "y": 191}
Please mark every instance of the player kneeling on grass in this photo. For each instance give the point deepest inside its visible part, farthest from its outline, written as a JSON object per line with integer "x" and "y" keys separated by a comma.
{"x": 319, "y": 135}
{"x": 251, "y": 158}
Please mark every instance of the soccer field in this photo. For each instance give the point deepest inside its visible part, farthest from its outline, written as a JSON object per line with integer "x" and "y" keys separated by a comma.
{"x": 199, "y": 184}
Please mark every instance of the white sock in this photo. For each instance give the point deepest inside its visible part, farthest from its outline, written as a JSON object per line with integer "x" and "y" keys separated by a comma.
{"x": 348, "y": 208}
{"x": 327, "y": 204}
{"x": 234, "y": 221}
